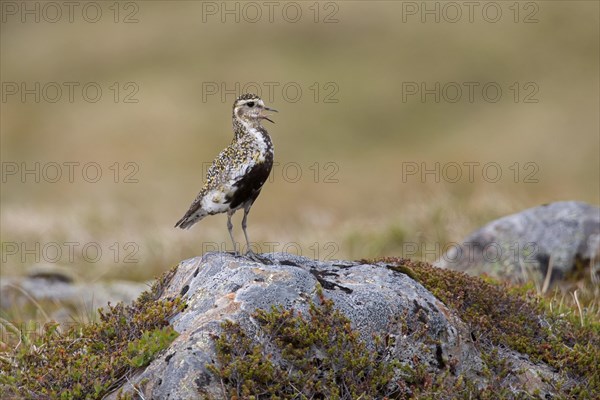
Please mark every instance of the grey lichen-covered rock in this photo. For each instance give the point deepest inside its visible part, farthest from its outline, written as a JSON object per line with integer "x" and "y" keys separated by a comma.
{"x": 49, "y": 284}
{"x": 523, "y": 246}
{"x": 377, "y": 300}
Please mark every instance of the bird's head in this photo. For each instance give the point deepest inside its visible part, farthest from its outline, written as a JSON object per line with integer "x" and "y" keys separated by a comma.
{"x": 250, "y": 110}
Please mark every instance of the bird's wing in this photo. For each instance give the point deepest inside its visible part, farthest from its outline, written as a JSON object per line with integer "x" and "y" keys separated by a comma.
{"x": 221, "y": 178}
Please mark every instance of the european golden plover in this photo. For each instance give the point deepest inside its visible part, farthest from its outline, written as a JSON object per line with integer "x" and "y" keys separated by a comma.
{"x": 236, "y": 176}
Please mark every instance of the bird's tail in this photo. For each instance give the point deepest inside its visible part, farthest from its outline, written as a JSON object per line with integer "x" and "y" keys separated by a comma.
{"x": 190, "y": 218}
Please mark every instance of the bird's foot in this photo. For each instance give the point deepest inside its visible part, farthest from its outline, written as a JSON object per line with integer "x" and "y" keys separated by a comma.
{"x": 255, "y": 257}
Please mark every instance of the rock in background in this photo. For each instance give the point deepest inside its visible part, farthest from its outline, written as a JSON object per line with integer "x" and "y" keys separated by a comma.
{"x": 563, "y": 236}
{"x": 63, "y": 293}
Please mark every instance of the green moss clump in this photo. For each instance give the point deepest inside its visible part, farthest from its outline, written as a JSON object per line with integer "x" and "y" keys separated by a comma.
{"x": 500, "y": 315}
{"x": 319, "y": 356}
{"x": 88, "y": 361}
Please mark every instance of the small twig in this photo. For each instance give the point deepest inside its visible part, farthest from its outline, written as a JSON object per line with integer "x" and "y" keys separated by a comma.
{"x": 548, "y": 275}
{"x": 595, "y": 271}
{"x": 5, "y": 360}
{"x": 578, "y": 307}
{"x": 18, "y": 332}
{"x": 522, "y": 268}
{"x": 139, "y": 393}
{"x": 223, "y": 388}
{"x": 34, "y": 301}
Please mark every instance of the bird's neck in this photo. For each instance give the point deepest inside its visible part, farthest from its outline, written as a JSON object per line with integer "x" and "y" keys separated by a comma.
{"x": 243, "y": 127}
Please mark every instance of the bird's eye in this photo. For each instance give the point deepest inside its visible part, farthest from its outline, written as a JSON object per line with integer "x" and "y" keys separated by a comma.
{"x": 250, "y": 104}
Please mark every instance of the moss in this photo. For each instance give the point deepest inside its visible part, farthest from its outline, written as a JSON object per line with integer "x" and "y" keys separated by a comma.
{"x": 89, "y": 360}
{"x": 515, "y": 317}
{"x": 319, "y": 356}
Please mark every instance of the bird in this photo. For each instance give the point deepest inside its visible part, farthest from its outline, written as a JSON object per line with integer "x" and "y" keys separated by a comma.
{"x": 235, "y": 178}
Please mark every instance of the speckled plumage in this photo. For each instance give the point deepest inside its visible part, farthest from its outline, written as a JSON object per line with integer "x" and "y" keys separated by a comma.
{"x": 236, "y": 176}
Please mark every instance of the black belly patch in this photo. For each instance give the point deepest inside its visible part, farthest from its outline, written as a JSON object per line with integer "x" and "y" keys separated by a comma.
{"x": 248, "y": 188}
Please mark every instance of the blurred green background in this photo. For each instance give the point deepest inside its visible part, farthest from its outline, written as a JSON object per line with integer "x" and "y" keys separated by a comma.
{"x": 366, "y": 115}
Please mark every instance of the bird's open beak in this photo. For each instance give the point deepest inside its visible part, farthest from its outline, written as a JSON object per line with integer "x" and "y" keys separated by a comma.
{"x": 267, "y": 118}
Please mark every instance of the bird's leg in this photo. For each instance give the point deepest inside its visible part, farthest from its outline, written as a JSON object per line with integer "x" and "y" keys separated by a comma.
{"x": 250, "y": 254}
{"x": 244, "y": 224}
{"x": 230, "y": 229}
